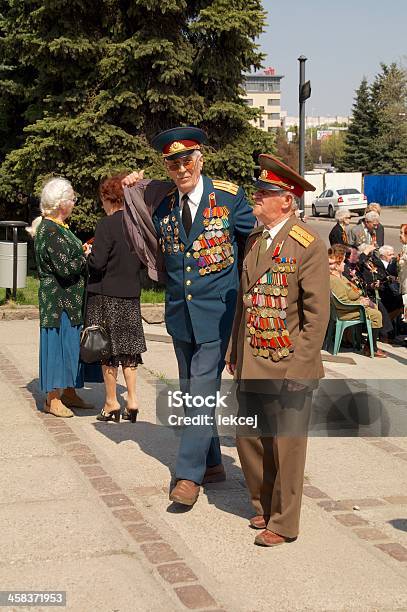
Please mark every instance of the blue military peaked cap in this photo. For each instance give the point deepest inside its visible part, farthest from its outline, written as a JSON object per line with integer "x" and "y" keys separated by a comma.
{"x": 179, "y": 141}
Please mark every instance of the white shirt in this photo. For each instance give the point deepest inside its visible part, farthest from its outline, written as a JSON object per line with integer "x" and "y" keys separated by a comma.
{"x": 385, "y": 263}
{"x": 194, "y": 198}
{"x": 273, "y": 231}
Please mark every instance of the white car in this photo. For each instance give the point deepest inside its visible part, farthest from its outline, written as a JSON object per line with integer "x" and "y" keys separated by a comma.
{"x": 332, "y": 200}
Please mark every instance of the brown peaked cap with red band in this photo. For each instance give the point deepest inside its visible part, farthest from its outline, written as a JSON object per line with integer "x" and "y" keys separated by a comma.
{"x": 276, "y": 176}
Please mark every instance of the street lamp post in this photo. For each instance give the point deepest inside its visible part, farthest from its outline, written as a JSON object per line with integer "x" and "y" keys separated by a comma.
{"x": 304, "y": 94}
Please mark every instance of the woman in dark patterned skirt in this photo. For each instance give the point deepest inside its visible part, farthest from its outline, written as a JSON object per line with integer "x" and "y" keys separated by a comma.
{"x": 114, "y": 300}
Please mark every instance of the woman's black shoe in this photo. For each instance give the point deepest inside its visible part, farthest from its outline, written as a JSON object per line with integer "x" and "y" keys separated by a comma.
{"x": 130, "y": 414}
{"x": 114, "y": 415}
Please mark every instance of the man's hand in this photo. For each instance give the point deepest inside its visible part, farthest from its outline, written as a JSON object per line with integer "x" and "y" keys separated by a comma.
{"x": 230, "y": 368}
{"x": 132, "y": 179}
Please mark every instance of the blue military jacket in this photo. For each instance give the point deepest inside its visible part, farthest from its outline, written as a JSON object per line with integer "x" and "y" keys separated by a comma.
{"x": 202, "y": 270}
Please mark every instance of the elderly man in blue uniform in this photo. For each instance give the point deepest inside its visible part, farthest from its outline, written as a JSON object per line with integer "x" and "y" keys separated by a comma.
{"x": 198, "y": 224}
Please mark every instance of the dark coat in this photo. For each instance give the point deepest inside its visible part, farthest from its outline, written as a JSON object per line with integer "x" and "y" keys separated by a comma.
{"x": 338, "y": 235}
{"x": 388, "y": 290}
{"x": 113, "y": 269}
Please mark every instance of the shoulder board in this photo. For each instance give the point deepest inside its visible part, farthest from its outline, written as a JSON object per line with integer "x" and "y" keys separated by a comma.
{"x": 226, "y": 186}
{"x": 171, "y": 191}
{"x": 301, "y": 235}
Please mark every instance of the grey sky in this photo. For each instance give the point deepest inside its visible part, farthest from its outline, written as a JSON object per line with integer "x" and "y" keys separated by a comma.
{"x": 343, "y": 41}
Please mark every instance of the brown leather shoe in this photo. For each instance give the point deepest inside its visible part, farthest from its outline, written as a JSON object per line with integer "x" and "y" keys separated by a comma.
{"x": 259, "y": 521}
{"x": 185, "y": 492}
{"x": 378, "y": 353}
{"x": 215, "y": 473}
{"x": 268, "y": 538}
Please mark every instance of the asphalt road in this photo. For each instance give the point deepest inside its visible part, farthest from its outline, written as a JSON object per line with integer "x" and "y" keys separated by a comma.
{"x": 323, "y": 226}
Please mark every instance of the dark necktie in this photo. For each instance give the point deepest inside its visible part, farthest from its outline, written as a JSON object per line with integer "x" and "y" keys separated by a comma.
{"x": 186, "y": 216}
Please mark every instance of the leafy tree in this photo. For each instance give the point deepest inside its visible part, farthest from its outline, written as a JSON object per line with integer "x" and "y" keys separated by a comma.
{"x": 389, "y": 96}
{"x": 288, "y": 151}
{"x": 359, "y": 141}
{"x": 95, "y": 80}
{"x": 332, "y": 148}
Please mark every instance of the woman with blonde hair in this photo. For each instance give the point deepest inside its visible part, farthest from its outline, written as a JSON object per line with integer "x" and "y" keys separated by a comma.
{"x": 61, "y": 270}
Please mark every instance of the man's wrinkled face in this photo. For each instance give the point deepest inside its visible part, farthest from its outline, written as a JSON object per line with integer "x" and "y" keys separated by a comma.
{"x": 387, "y": 256}
{"x": 185, "y": 171}
{"x": 270, "y": 206}
{"x": 371, "y": 225}
{"x": 336, "y": 264}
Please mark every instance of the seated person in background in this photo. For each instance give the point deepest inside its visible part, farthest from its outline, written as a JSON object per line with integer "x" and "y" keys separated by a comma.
{"x": 389, "y": 289}
{"x": 365, "y": 232}
{"x": 374, "y": 279}
{"x": 349, "y": 293}
{"x": 351, "y": 271}
{"x": 375, "y": 207}
{"x": 339, "y": 232}
{"x": 402, "y": 268}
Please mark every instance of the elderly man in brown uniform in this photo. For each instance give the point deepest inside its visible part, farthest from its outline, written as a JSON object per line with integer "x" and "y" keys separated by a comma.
{"x": 274, "y": 351}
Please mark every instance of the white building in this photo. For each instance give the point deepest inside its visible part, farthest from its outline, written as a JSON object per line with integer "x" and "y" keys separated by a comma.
{"x": 313, "y": 122}
{"x": 263, "y": 91}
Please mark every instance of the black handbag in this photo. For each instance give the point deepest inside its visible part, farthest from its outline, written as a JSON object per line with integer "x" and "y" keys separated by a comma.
{"x": 95, "y": 343}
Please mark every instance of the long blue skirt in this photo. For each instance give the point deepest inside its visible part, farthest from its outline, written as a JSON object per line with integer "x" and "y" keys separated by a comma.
{"x": 59, "y": 356}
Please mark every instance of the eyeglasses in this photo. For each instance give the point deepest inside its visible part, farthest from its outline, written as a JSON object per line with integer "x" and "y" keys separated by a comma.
{"x": 175, "y": 166}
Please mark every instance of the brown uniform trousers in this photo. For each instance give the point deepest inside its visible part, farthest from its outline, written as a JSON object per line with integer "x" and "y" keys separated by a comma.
{"x": 273, "y": 465}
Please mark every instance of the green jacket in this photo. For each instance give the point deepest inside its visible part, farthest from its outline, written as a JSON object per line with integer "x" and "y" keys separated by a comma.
{"x": 61, "y": 270}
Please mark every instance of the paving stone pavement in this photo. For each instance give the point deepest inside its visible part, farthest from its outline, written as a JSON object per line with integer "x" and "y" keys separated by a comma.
{"x": 84, "y": 508}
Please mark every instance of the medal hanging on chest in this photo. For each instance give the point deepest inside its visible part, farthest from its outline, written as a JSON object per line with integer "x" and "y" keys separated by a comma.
{"x": 169, "y": 231}
{"x": 266, "y": 309}
{"x": 212, "y": 249}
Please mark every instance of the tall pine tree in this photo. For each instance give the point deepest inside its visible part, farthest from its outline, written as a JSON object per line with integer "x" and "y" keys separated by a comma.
{"x": 358, "y": 153}
{"x": 91, "y": 83}
{"x": 389, "y": 97}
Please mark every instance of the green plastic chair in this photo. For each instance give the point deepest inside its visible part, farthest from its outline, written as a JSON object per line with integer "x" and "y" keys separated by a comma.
{"x": 337, "y": 326}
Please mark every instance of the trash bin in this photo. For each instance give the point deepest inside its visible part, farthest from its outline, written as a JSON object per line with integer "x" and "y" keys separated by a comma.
{"x": 13, "y": 258}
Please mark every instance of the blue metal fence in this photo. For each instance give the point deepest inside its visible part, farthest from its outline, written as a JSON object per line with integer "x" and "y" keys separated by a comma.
{"x": 386, "y": 189}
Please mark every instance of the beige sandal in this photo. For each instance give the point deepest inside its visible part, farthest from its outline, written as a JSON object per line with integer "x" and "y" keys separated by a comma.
{"x": 58, "y": 410}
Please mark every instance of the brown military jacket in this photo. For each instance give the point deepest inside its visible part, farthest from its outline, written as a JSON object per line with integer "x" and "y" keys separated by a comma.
{"x": 306, "y": 312}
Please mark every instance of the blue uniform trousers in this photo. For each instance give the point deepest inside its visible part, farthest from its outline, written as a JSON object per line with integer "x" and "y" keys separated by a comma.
{"x": 200, "y": 368}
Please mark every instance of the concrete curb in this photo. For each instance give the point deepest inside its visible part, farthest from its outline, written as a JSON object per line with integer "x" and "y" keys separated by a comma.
{"x": 151, "y": 313}
{"x": 158, "y": 338}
